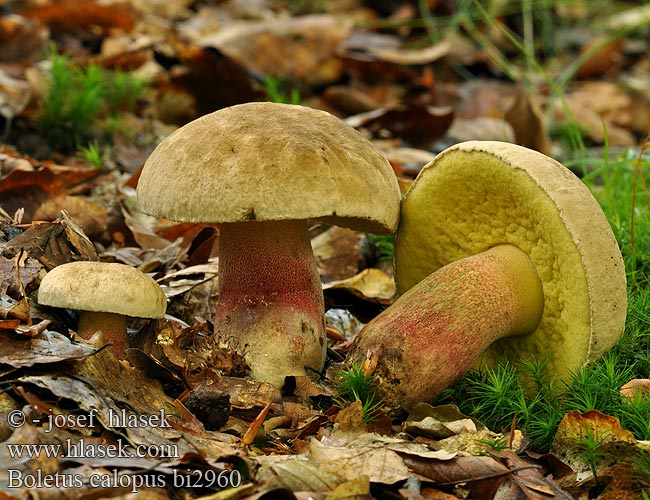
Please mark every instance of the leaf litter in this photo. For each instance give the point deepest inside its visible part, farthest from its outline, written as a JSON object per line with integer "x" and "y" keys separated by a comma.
{"x": 298, "y": 444}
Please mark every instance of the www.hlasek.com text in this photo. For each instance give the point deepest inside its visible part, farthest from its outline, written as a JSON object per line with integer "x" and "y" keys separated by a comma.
{"x": 85, "y": 449}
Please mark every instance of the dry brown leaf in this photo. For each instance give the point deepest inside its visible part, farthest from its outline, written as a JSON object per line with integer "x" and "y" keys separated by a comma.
{"x": 482, "y": 128}
{"x": 351, "y": 417}
{"x": 349, "y": 100}
{"x": 14, "y": 95}
{"x": 638, "y": 388}
{"x": 459, "y": 470}
{"x": 409, "y": 161}
{"x": 529, "y": 478}
{"x": 200, "y": 80}
{"x": 607, "y": 110}
{"x": 143, "y": 232}
{"x": 91, "y": 217}
{"x": 577, "y": 430}
{"x": 21, "y": 40}
{"x": 337, "y": 253}
{"x": 356, "y": 489}
{"x": 362, "y": 456}
{"x": 606, "y": 59}
{"x": 263, "y": 47}
{"x": 415, "y": 124}
{"x": 529, "y": 125}
{"x": 18, "y": 277}
{"x": 52, "y": 243}
{"x": 440, "y": 422}
{"x": 369, "y": 284}
{"x": 44, "y": 348}
{"x": 479, "y": 98}
{"x": 82, "y": 15}
{"x": 295, "y": 473}
{"x": 29, "y": 185}
{"x": 183, "y": 280}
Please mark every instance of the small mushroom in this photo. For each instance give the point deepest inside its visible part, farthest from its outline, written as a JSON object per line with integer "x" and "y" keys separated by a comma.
{"x": 263, "y": 170}
{"x": 104, "y": 294}
{"x": 501, "y": 254}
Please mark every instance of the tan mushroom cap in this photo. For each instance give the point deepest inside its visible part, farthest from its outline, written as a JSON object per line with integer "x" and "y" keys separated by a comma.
{"x": 479, "y": 194}
{"x": 269, "y": 161}
{"x": 102, "y": 287}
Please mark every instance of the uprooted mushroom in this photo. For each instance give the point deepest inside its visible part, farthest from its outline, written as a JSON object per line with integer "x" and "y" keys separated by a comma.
{"x": 501, "y": 254}
{"x": 263, "y": 170}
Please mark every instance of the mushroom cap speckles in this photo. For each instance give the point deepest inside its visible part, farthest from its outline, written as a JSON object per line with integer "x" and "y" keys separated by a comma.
{"x": 270, "y": 161}
{"x": 478, "y": 194}
{"x": 102, "y": 287}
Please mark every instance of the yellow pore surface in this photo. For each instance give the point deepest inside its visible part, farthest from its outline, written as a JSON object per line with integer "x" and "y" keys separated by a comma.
{"x": 467, "y": 201}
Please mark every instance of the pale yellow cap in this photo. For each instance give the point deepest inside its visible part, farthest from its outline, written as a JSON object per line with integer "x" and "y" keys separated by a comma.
{"x": 102, "y": 287}
{"x": 479, "y": 194}
{"x": 269, "y": 161}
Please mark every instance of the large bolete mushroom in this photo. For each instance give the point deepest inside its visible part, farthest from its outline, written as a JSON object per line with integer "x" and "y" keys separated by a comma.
{"x": 501, "y": 254}
{"x": 263, "y": 170}
{"x": 105, "y": 294}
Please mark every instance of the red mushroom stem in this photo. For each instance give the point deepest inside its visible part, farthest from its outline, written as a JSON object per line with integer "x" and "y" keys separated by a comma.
{"x": 112, "y": 326}
{"x": 270, "y": 297}
{"x": 439, "y": 328}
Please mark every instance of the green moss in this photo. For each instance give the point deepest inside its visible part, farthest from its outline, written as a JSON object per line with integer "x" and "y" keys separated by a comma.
{"x": 80, "y": 98}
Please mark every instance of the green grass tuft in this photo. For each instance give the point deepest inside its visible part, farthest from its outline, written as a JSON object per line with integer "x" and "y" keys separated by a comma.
{"x": 78, "y": 99}
{"x": 353, "y": 385}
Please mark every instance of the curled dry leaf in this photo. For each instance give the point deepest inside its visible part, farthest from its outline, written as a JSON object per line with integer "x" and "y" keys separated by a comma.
{"x": 44, "y": 348}
{"x": 593, "y": 428}
{"x": 53, "y": 243}
{"x": 91, "y": 217}
{"x": 416, "y": 125}
{"x": 262, "y": 46}
{"x": 440, "y": 422}
{"x": 370, "y": 284}
{"x": 606, "y": 57}
{"x": 637, "y": 388}
{"x": 71, "y": 15}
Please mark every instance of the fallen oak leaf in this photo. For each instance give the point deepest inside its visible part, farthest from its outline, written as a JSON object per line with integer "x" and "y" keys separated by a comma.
{"x": 296, "y": 473}
{"x": 43, "y": 348}
{"x": 458, "y": 470}
{"x": 528, "y": 477}
{"x": 381, "y": 458}
{"x": 52, "y": 243}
